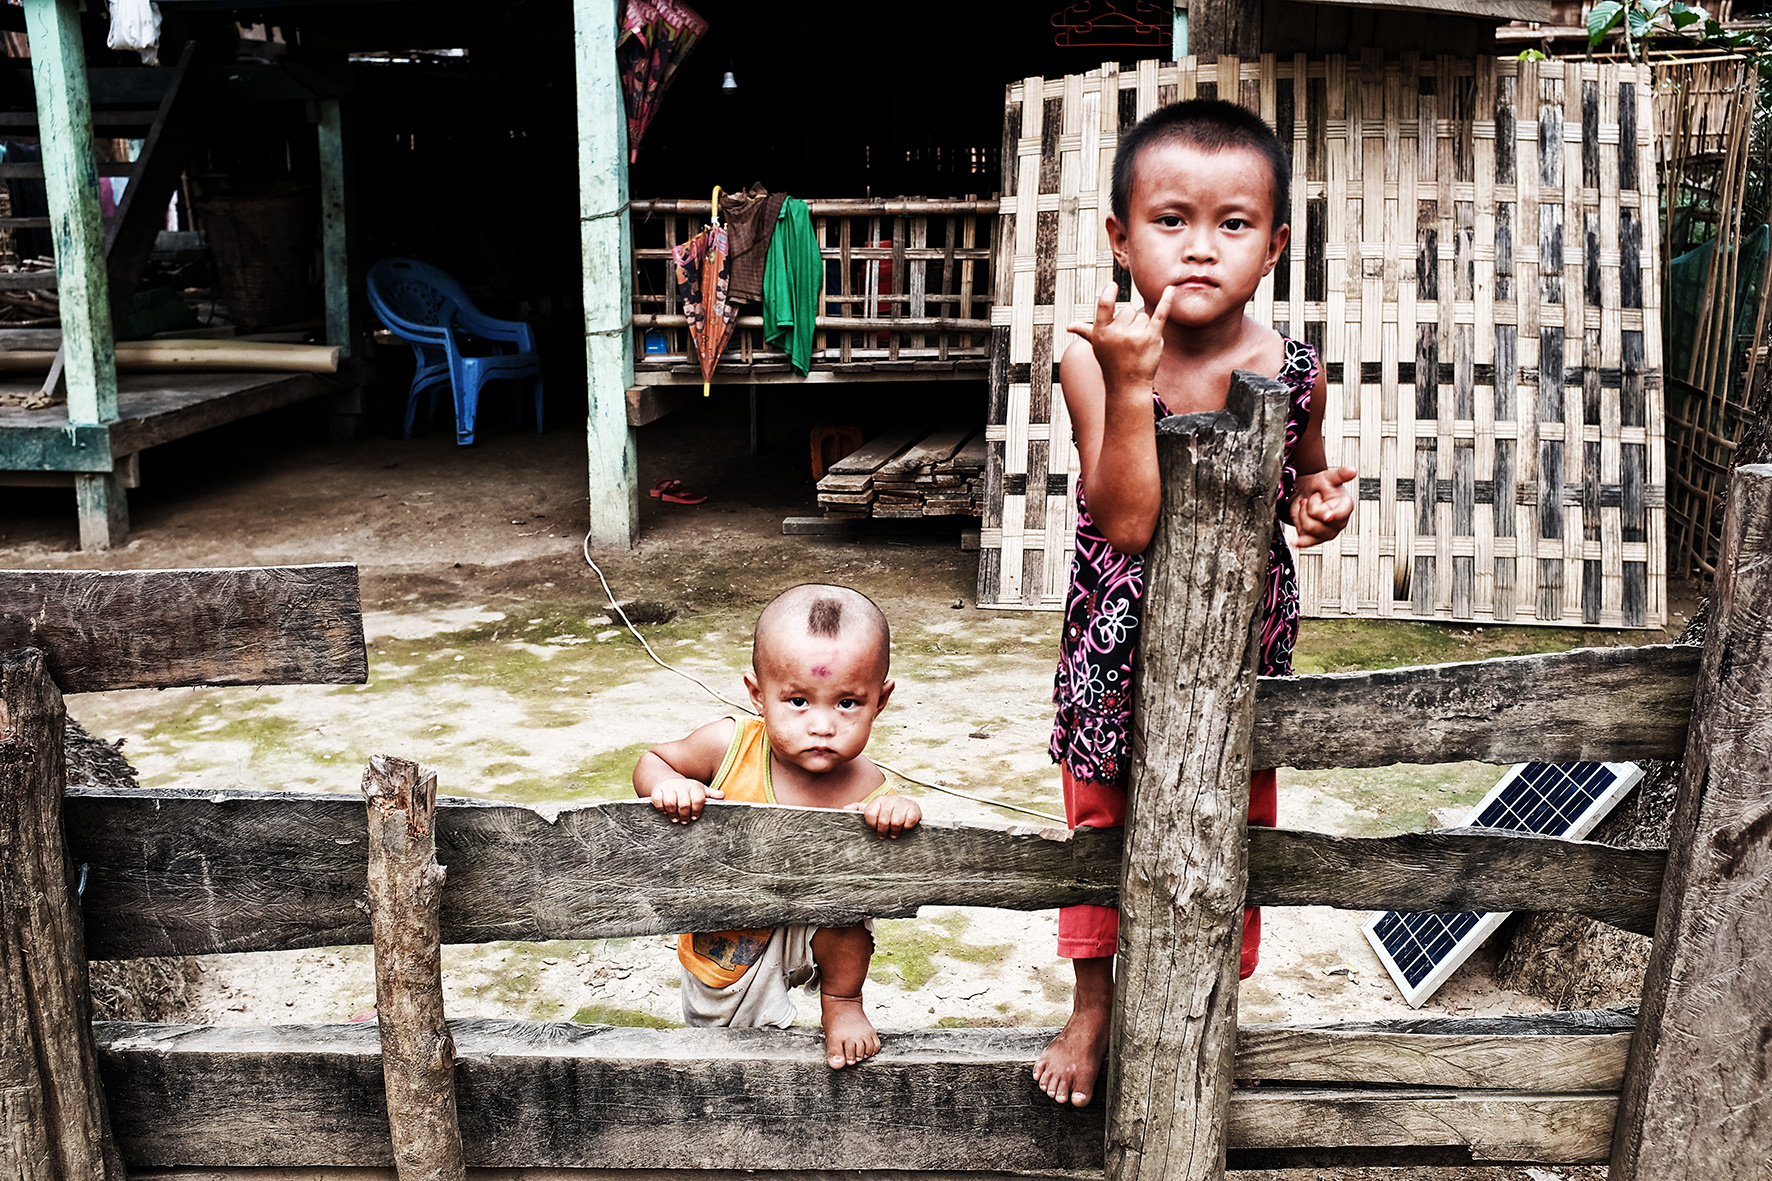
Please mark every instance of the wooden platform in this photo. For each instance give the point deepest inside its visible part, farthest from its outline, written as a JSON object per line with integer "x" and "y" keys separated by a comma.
{"x": 153, "y": 408}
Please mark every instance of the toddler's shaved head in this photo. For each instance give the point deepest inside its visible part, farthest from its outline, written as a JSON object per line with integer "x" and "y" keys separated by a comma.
{"x": 817, "y": 609}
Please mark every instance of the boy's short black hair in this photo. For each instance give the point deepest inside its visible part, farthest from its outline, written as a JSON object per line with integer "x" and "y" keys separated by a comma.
{"x": 1211, "y": 125}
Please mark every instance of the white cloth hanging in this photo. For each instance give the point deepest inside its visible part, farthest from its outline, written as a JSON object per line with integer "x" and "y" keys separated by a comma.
{"x": 135, "y": 24}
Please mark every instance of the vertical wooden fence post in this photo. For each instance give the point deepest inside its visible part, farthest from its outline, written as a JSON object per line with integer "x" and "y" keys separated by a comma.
{"x": 1185, "y": 864}
{"x": 405, "y": 896}
{"x": 1697, "y": 1102}
{"x": 53, "y": 1125}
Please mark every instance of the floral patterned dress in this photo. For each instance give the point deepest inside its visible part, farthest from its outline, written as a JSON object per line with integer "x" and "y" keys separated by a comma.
{"x": 1093, "y": 688}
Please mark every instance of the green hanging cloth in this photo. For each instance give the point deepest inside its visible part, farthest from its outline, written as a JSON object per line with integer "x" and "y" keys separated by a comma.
{"x": 790, "y": 284}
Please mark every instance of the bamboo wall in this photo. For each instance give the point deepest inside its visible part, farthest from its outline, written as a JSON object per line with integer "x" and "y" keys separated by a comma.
{"x": 1459, "y": 226}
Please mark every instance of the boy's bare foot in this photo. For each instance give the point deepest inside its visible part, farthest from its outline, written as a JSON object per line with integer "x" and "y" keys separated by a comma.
{"x": 848, "y": 1034}
{"x": 1068, "y": 1069}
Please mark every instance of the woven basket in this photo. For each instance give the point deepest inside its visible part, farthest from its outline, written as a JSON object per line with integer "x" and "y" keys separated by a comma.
{"x": 263, "y": 247}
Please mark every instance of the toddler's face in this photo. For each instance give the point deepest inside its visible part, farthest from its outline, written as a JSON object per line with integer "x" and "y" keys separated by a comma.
{"x": 1202, "y": 221}
{"x": 819, "y": 696}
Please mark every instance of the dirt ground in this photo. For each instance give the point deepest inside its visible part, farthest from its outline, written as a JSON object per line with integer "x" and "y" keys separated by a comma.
{"x": 495, "y": 660}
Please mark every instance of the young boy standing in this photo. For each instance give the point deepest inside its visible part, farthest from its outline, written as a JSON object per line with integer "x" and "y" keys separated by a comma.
{"x": 818, "y": 680}
{"x": 1200, "y": 216}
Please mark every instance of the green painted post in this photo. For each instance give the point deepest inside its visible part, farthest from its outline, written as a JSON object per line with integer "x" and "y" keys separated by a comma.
{"x": 334, "y": 251}
{"x": 64, "y": 120}
{"x": 607, "y": 258}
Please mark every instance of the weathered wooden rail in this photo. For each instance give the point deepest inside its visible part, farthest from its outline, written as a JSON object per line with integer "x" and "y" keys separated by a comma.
{"x": 177, "y": 872}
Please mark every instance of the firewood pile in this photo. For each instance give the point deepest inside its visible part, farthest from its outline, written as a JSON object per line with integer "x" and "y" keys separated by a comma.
{"x": 909, "y": 473}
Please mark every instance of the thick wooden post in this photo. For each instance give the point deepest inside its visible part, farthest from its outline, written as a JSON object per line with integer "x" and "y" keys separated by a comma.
{"x": 608, "y": 261}
{"x": 53, "y": 1125}
{"x": 1697, "y": 1102}
{"x": 335, "y": 261}
{"x": 405, "y": 896}
{"x": 70, "y": 178}
{"x": 1216, "y": 28}
{"x": 1185, "y": 865}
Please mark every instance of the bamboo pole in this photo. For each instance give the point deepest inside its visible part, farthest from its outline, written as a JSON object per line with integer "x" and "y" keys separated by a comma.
{"x": 174, "y": 355}
{"x": 404, "y": 899}
{"x": 53, "y": 1122}
{"x": 1184, "y": 872}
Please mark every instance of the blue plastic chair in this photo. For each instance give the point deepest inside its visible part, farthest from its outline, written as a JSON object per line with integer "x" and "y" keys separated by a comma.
{"x": 429, "y": 310}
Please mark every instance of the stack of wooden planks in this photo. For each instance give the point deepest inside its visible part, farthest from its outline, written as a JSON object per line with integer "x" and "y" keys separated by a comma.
{"x": 909, "y": 473}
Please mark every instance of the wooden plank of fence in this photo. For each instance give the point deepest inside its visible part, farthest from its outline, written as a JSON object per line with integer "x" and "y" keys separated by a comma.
{"x": 566, "y": 1096}
{"x": 1457, "y": 870}
{"x": 1590, "y": 704}
{"x": 154, "y": 629}
{"x": 53, "y": 1125}
{"x": 1696, "y": 1103}
{"x": 195, "y": 873}
{"x": 1184, "y": 868}
{"x": 1552, "y": 1052}
{"x": 405, "y": 889}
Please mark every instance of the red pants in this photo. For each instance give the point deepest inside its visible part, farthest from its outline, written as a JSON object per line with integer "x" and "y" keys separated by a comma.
{"x": 1087, "y": 932}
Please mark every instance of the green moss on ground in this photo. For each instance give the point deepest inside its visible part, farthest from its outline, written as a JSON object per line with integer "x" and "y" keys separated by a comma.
{"x": 611, "y": 1015}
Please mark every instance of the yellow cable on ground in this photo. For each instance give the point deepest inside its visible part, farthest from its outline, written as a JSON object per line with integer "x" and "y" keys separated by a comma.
{"x": 712, "y": 692}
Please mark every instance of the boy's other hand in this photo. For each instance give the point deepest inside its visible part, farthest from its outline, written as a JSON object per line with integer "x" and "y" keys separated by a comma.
{"x": 1322, "y": 502}
{"x": 890, "y": 815}
{"x": 1127, "y": 346}
{"x": 682, "y": 799}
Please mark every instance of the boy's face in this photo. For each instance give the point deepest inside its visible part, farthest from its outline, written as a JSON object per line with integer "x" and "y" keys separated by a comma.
{"x": 1202, "y": 221}
{"x": 819, "y": 696}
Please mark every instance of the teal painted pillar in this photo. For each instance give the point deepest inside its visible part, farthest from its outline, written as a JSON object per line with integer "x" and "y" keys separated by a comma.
{"x": 64, "y": 120}
{"x": 1178, "y": 46}
{"x": 335, "y": 255}
{"x": 608, "y": 261}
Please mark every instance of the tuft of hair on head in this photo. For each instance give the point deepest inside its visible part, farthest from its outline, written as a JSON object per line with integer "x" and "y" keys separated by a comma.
{"x": 1211, "y": 125}
{"x": 825, "y": 617}
{"x": 822, "y": 609}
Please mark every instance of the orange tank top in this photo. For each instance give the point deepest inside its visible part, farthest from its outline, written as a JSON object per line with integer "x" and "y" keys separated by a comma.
{"x": 720, "y": 958}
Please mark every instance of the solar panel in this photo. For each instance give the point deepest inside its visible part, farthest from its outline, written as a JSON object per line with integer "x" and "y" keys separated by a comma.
{"x": 1421, "y": 951}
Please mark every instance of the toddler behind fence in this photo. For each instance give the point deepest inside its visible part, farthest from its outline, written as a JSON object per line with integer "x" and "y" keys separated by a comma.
{"x": 818, "y": 680}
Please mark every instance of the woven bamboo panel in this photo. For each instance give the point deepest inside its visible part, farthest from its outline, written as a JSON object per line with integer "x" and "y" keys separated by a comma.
{"x": 1474, "y": 256}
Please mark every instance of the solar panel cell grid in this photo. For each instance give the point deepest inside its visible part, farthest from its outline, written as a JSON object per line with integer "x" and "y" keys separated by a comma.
{"x": 1548, "y": 799}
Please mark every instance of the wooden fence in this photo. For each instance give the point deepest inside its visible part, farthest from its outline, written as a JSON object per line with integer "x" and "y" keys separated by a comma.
{"x": 907, "y": 293}
{"x": 182, "y": 873}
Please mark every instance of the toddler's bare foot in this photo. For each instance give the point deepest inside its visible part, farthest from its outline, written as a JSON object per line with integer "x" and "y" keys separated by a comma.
{"x": 848, "y": 1034}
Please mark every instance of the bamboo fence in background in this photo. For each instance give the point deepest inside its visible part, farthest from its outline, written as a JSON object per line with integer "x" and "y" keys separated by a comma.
{"x": 1459, "y": 228}
{"x": 1714, "y": 171}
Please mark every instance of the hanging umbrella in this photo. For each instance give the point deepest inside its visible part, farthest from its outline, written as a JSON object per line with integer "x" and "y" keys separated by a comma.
{"x": 654, "y": 37}
{"x": 703, "y": 275}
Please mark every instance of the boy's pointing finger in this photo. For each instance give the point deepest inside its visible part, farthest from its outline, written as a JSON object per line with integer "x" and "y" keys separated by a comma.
{"x": 1160, "y": 315}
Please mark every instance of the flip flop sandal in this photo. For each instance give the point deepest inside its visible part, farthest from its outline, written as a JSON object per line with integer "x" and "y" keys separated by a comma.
{"x": 674, "y": 492}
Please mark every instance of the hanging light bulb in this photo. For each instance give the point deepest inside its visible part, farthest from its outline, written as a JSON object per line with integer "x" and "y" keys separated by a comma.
{"x": 728, "y": 84}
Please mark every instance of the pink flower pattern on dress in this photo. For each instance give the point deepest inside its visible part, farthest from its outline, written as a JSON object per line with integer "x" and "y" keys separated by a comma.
{"x": 1093, "y": 687}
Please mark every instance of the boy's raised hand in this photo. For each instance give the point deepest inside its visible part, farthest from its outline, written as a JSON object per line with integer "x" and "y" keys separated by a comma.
{"x": 1322, "y": 502}
{"x": 890, "y": 815}
{"x": 682, "y": 799}
{"x": 1127, "y": 346}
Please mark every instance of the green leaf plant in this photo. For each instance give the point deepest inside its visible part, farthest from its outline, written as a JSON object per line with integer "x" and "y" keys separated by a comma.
{"x": 1640, "y": 20}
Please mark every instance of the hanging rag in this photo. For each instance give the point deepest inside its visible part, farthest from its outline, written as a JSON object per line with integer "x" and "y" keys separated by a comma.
{"x": 135, "y": 24}
{"x": 750, "y": 226}
{"x": 790, "y": 284}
